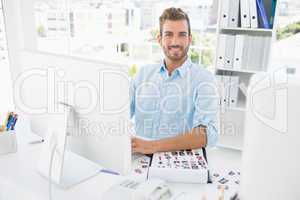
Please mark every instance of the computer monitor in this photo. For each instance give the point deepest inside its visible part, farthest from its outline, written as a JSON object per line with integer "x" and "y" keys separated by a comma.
{"x": 59, "y": 165}
{"x": 98, "y": 91}
{"x": 270, "y": 164}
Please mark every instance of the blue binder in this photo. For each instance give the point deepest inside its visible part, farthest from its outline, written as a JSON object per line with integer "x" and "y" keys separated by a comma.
{"x": 262, "y": 15}
{"x": 273, "y": 13}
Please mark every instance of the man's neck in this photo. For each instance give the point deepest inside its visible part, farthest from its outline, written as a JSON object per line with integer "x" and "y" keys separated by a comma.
{"x": 172, "y": 65}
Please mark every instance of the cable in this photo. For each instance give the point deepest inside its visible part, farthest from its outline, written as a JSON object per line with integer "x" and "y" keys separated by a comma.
{"x": 52, "y": 142}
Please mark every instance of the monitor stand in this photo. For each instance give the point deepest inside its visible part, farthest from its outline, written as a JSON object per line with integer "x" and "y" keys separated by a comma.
{"x": 76, "y": 169}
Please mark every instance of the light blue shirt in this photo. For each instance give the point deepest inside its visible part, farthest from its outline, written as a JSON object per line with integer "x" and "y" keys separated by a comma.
{"x": 165, "y": 106}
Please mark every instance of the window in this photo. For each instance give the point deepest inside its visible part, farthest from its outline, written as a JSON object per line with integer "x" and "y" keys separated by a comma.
{"x": 287, "y": 45}
{"x": 122, "y": 30}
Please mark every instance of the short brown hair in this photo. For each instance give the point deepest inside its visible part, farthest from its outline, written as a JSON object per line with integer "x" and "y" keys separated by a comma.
{"x": 173, "y": 14}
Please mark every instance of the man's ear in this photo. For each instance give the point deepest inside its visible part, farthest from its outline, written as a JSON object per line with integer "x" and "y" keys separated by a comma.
{"x": 190, "y": 39}
{"x": 159, "y": 38}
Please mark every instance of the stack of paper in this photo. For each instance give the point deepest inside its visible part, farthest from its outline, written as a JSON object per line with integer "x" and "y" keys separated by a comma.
{"x": 186, "y": 166}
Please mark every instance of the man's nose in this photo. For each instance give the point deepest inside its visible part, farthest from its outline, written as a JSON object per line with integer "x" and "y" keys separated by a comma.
{"x": 174, "y": 41}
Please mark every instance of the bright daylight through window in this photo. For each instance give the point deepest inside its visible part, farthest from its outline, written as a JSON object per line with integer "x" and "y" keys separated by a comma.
{"x": 120, "y": 30}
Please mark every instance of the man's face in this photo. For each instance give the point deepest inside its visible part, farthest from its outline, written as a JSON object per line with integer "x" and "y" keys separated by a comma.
{"x": 175, "y": 39}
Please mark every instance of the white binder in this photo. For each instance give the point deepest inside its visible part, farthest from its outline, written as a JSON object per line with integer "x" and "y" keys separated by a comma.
{"x": 224, "y": 13}
{"x": 234, "y": 88}
{"x": 226, "y": 81}
{"x": 238, "y": 51}
{"x": 223, "y": 93}
{"x": 220, "y": 85}
{"x": 266, "y": 54}
{"x": 233, "y": 13}
{"x": 253, "y": 14}
{"x": 245, "y": 14}
{"x": 221, "y": 50}
{"x": 229, "y": 54}
{"x": 258, "y": 52}
{"x": 246, "y": 49}
{"x": 252, "y": 53}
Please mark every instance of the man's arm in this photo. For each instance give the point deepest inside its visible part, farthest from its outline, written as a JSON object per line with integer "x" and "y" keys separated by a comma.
{"x": 190, "y": 140}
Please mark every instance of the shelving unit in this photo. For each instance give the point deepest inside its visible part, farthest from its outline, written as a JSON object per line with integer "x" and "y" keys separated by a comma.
{"x": 238, "y": 70}
{"x": 261, "y": 31}
{"x": 232, "y": 118}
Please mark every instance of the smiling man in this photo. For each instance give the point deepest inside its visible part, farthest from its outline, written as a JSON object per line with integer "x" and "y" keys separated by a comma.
{"x": 174, "y": 103}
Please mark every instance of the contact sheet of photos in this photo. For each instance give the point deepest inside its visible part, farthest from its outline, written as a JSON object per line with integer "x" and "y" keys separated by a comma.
{"x": 187, "y": 166}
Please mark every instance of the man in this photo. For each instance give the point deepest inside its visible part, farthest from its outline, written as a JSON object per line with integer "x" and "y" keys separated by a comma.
{"x": 174, "y": 103}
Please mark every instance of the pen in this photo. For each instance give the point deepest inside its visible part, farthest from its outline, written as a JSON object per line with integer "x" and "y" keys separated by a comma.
{"x": 235, "y": 197}
{"x": 14, "y": 122}
{"x": 37, "y": 141}
{"x": 109, "y": 172}
{"x": 9, "y": 121}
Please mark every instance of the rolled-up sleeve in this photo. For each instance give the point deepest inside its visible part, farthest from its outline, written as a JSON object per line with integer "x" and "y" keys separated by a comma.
{"x": 206, "y": 113}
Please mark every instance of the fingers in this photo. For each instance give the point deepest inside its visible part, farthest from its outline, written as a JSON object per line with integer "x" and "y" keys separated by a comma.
{"x": 133, "y": 142}
{"x": 134, "y": 145}
{"x": 139, "y": 146}
{"x": 134, "y": 150}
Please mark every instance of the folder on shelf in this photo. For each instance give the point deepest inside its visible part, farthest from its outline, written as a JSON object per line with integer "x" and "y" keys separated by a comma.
{"x": 274, "y": 2}
{"x": 233, "y": 20}
{"x": 262, "y": 15}
{"x": 253, "y": 14}
{"x": 266, "y": 52}
{"x": 220, "y": 85}
{"x": 252, "y": 53}
{"x": 221, "y": 50}
{"x": 245, "y": 13}
{"x": 226, "y": 82}
{"x": 260, "y": 54}
{"x": 223, "y": 90}
{"x": 229, "y": 54}
{"x": 224, "y": 13}
{"x": 246, "y": 50}
{"x": 234, "y": 89}
{"x": 259, "y": 46}
{"x": 238, "y": 51}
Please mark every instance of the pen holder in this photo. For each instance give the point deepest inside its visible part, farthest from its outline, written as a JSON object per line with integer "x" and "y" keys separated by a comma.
{"x": 8, "y": 142}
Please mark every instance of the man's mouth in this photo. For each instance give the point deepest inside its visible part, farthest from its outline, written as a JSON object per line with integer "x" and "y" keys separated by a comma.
{"x": 174, "y": 47}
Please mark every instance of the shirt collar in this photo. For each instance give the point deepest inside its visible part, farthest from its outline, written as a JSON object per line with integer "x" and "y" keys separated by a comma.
{"x": 181, "y": 70}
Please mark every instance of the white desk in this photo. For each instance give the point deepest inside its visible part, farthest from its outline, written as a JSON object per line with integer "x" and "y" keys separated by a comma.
{"x": 20, "y": 180}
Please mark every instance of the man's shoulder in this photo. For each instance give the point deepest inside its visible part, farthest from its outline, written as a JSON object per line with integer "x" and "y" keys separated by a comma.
{"x": 148, "y": 68}
{"x": 202, "y": 73}
{"x": 145, "y": 71}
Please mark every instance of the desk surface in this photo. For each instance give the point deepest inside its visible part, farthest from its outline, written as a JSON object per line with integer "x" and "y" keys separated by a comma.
{"x": 20, "y": 180}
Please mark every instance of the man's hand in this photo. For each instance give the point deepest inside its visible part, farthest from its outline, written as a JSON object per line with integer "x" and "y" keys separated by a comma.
{"x": 143, "y": 146}
{"x": 194, "y": 139}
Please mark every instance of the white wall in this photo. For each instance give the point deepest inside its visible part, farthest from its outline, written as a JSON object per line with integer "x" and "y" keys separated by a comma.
{"x": 39, "y": 80}
{"x": 8, "y": 69}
